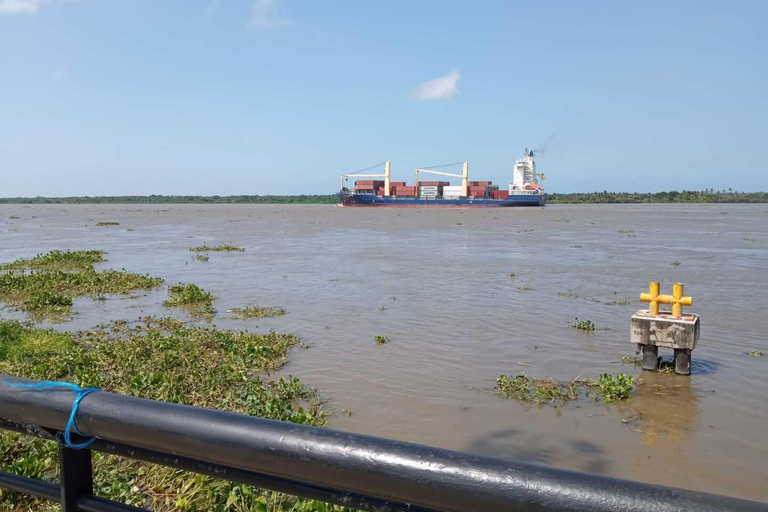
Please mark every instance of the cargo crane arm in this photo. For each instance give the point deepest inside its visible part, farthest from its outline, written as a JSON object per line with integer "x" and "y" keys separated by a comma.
{"x": 464, "y": 177}
{"x": 357, "y": 174}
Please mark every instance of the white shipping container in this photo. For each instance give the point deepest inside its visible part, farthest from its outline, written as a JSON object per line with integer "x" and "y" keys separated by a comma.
{"x": 456, "y": 188}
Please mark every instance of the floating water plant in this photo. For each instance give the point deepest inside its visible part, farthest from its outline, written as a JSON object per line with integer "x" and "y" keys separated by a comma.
{"x": 569, "y": 293}
{"x": 257, "y": 312}
{"x": 607, "y": 388}
{"x": 107, "y": 223}
{"x": 583, "y": 325}
{"x": 202, "y": 257}
{"x": 523, "y": 289}
{"x": 625, "y": 231}
{"x": 612, "y": 388}
{"x": 755, "y": 353}
{"x": 381, "y": 340}
{"x": 617, "y": 303}
{"x": 218, "y": 248}
{"x": 532, "y": 389}
{"x": 48, "y": 283}
{"x": 511, "y": 274}
{"x": 676, "y": 263}
{"x": 198, "y": 300}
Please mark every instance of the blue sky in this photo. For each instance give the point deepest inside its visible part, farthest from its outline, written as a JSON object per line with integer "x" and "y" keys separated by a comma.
{"x": 115, "y": 97}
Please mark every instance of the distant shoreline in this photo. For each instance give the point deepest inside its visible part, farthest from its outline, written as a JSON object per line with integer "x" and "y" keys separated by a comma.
{"x": 706, "y": 196}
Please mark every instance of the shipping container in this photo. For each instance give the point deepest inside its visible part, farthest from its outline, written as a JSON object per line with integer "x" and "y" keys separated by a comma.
{"x": 396, "y": 183}
{"x": 433, "y": 183}
{"x": 500, "y": 194}
{"x": 480, "y": 183}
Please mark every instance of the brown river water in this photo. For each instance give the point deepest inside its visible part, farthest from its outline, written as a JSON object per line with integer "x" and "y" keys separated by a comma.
{"x": 456, "y": 320}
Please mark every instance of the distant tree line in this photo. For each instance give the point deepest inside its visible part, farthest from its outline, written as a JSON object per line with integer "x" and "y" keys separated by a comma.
{"x": 160, "y": 199}
{"x": 686, "y": 196}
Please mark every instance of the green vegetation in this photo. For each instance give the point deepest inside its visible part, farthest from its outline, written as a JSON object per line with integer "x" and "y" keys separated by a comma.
{"x": 583, "y": 325}
{"x": 686, "y": 196}
{"x": 569, "y": 293}
{"x": 531, "y": 389}
{"x": 625, "y": 231}
{"x": 637, "y": 361}
{"x": 195, "y": 298}
{"x": 160, "y": 359}
{"x": 511, "y": 274}
{"x": 48, "y": 283}
{"x": 607, "y": 388}
{"x": 202, "y": 257}
{"x": 58, "y": 260}
{"x": 13, "y": 217}
{"x": 755, "y": 353}
{"x": 611, "y": 388}
{"x": 257, "y": 312}
{"x": 107, "y": 223}
{"x": 617, "y": 303}
{"x": 676, "y": 263}
{"x": 219, "y": 248}
{"x": 523, "y": 289}
{"x": 381, "y": 340}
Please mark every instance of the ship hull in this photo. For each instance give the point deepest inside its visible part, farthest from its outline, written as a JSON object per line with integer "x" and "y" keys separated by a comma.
{"x": 372, "y": 200}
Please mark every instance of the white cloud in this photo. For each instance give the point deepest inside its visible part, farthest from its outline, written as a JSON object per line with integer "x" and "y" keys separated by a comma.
{"x": 21, "y": 6}
{"x": 438, "y": 88}
{"x": 267, "y": 14}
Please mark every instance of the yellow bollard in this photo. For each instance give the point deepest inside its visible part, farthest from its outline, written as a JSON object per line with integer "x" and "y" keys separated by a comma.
{"x": 676, "y": 299}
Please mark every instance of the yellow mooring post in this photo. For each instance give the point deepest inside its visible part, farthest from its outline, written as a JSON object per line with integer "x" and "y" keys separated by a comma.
{"x": 676, "y": 299}
{"x": 652, "y": 329}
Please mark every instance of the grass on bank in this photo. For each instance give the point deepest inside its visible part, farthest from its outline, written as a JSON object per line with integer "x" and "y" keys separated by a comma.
{"x": 48, "y": 283}
{"x": 160, "y": 359}
{"x": 218, "y": 248}
{"x": 607, "y": 388}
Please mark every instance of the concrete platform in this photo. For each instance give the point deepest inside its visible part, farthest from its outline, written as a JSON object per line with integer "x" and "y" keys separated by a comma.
{"x": 664, "y": 330}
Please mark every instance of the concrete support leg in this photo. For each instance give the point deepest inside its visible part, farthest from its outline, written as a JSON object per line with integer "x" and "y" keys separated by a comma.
{"x": 650, "y": 357}
{"x": 682, "y": 361}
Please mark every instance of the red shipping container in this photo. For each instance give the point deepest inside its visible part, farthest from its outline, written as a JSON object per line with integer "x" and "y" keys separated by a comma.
{"x": 480, "y": 183}
{"x": 396, "y": 183}
{"x": 500, "y": 194}
{"x": 433, "y": 183}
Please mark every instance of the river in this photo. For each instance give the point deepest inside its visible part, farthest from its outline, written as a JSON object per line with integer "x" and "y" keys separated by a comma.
{"x": 437, "y": 284}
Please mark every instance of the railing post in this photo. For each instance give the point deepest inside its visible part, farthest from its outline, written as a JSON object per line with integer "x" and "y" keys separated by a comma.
{"x": 76, "y": 477}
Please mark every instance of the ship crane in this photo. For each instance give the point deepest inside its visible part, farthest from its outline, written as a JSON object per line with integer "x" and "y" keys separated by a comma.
{"x": 464, "y": 177}
{"x": 358, "y": 175}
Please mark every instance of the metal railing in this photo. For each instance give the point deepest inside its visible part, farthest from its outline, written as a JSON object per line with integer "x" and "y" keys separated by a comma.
{"x": 356, "y": 471}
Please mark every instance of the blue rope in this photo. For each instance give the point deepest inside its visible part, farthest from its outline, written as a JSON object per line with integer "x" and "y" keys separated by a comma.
{"x": 80, "y": 393}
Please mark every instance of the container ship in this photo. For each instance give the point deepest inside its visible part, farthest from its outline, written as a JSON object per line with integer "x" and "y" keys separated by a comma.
{"x": 526, "y": 189}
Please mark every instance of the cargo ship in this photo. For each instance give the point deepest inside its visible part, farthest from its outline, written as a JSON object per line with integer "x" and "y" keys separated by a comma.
{"x": 526, "y": 189}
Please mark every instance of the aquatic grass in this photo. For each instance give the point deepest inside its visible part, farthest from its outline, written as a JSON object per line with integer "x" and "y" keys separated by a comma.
{"x": 524, "y": 289}
{"x": 257, "y": 312}
{"x": 676, "y": 263}
{"x": 159, "y": 359}
{"x": 569, "y": 293}
{"x": 49, "y": 283}
{"x": 381, "y": 340}
{"x": 532, "y": 389}
{"x": 198, "y": 301}
{"x": 617, "y": 303}
{"x": 58, "y": 260}
{"x": 202, "y": 257}
{"x": 107, "y": 223}
{"x": 607, "y": 388}
{"x": 219, "y": 248}
{"x": 755, "y": 353}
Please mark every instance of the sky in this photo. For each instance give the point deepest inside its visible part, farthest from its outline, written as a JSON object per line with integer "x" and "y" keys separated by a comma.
{"x": 222, "y": 97}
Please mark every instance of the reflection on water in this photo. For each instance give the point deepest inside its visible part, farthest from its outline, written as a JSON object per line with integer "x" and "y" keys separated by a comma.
{"x": 437, "y": 284}
{"x": 665, "y": 409}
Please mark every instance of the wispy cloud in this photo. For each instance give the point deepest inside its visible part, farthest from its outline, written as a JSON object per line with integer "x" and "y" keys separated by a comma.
{"x": 213, "y": 6}
{"x": 438, "y": 88}
{"x": 268, "y": 14}
{"x": 58, "y": 75}
{"x": 21, "y": 6}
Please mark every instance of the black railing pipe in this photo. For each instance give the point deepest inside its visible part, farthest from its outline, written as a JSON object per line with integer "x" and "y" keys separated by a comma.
{"x": 407, "y": 473}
